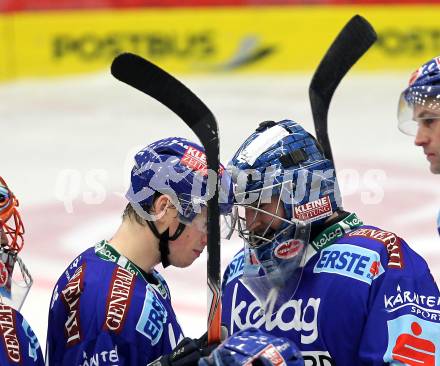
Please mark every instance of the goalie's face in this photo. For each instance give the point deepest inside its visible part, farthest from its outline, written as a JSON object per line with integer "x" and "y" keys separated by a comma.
{"x": 263, "y": 220}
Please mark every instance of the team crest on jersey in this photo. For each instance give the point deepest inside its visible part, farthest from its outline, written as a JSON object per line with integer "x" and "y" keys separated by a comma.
{"x": 118, "y": 299}
{"x": 8, "y": 331}
{"x": 412, "y": 341}
{"x": 153, "y": 317}
{"x": 71, "y": 298}
{"x": 350, "y": 261}
{"x": 390, "y": 240}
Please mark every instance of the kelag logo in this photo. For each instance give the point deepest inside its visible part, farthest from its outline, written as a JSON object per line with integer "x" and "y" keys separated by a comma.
{"x": 350, "y": 261}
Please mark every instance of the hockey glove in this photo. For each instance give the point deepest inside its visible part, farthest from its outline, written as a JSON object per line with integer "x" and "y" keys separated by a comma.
{"x": 187, "y": 353}
{"x": 254, "y": 347}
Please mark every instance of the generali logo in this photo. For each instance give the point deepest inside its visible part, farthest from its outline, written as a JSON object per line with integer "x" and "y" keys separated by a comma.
{"x": 288, "y": 249}
{"x": 118, "y": 300}
{"x": 390, "y": 240}
{"x": 314, "y": 210}
{"x": 8, "y": 332}
{"x": 71, "y": 296}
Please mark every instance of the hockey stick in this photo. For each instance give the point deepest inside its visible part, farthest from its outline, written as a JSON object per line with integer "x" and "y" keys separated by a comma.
{"x": 352, "y": 42}
{"x": 157, "y": 83}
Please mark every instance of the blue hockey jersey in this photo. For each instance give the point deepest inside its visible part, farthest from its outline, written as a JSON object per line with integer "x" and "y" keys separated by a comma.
{"x": 106, "y": 311}
{"x": 19, "y": 343}
{"x": 365, "y": 298}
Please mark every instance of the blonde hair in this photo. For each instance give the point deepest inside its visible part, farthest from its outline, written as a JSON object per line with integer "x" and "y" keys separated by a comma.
{"x": 130, "y": 214}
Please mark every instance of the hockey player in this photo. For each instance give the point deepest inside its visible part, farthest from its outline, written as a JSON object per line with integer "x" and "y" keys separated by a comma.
{"x": 346, "y": 293}
{"x": 111, "y": 306}
{"x": 19, "y": 343}
{"x": 419, "y": 112}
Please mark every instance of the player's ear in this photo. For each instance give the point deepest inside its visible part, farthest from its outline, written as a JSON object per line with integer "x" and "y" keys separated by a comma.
{"x": 164, "y": 209}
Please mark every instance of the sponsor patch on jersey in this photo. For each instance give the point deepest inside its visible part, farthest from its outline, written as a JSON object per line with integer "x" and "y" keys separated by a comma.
{"x": 270, "y": 353}
{"x": 118, "y": 299}
{"x": 314, "y": 210}
{"x": 300, "y": 315}
{"x": 153, "y": 317}
{"x": 235, "y": 268}
{"x": 71, "y": 298}
{"x": 8, "y": 332}
{"x": 350, "y": 261}
{"x": 288, "y": 249}
{"x": 413, "y": 341}
{"x": 390, "y": 240}
{"x": 424, "y": 306}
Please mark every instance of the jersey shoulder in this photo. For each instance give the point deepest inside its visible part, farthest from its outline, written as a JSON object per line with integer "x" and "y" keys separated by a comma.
{"x": 20, "y": 344}
{"x": 394, "y": 251}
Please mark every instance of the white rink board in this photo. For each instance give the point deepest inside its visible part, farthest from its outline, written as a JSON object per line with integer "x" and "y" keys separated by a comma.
{"x": 75, "y": 138}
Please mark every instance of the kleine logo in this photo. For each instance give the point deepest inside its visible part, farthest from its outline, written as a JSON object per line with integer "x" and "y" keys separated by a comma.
{"x": 288, "y": 249}
{"x": 314, "y": 210}
{"x": 196, "y": 160}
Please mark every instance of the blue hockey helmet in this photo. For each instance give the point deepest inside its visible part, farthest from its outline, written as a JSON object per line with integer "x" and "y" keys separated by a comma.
{"x": 285, "y": 185}
{"x": 176, "y": 167}
{"x": 252, "y": 346}
{"x": 421, "y": 99}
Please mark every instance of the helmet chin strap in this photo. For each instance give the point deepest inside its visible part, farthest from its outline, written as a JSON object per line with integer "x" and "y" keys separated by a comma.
{"x": 164, "y": 239}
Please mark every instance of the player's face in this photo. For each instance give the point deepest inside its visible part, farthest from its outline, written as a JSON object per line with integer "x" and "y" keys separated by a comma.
{"x": 191, "y": 243}
{"x": 267, "y": 219}
{"x": 428, "y": 136}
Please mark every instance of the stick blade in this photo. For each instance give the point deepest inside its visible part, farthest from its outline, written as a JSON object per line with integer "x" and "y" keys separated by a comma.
{"x": 352, "y": 42}
{"x": 165, "y": 88}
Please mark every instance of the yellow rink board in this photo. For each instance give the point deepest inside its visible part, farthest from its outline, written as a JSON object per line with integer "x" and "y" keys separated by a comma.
{"x": 188, "y": 40}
